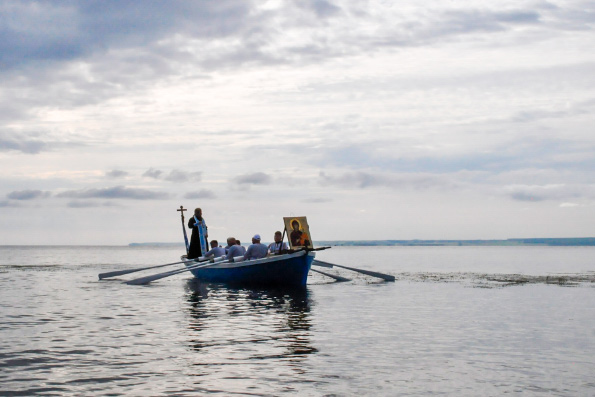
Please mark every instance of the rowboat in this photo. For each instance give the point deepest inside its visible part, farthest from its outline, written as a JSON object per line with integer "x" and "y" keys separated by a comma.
{"x": 289, "y": 269}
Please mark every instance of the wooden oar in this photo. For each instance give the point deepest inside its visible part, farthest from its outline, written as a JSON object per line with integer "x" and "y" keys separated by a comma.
{"x": 148, "y": 279}
{"x": 386, "y": 277}
{"x": 338, "y": 278}
{"x": 122, "y": 272}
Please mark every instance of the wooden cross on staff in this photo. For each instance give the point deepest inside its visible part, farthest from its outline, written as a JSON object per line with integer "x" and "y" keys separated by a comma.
{"x": 182, "y": 209}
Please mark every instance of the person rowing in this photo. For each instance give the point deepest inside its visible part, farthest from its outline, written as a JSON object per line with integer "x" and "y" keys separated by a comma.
{"x": 234, "y": 250}
{"x": 238, "y": 242}
{"x": 215, "y": 251}
{"x": 256, "y": 250}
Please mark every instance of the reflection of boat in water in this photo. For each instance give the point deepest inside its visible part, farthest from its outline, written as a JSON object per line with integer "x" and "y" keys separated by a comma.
{"x": 230, "y": 324}
{"x": 277, "y": 270}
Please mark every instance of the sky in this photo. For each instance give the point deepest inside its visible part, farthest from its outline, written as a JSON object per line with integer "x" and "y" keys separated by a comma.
{"x": 376, "y": 119}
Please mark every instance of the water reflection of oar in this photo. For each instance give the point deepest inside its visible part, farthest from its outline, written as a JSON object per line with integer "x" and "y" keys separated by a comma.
{"x": 128, "y": 271}
{"x": 148, "y": 279}
{"x": 338, "y": 278}
{"x": 386, "y": 277}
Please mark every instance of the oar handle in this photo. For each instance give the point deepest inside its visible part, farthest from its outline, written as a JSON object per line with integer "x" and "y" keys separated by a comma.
{"x": 318, "y": 249}
{"x": 128, "y": 271}
{"x": 148, "y": 279}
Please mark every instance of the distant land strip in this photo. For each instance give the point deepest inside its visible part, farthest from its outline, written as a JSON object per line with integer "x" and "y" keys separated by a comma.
{"x": 578, "y": 241}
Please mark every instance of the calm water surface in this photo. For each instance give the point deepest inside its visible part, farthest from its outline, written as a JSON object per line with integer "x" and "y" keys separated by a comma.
{"x": 461, "y": 321}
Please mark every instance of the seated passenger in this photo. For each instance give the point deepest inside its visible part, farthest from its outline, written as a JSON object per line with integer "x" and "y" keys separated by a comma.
{"x": 243, "y": 248}
{"x": 256, "y": 250}
{"x": 228, "y": 244}
{"x": 215, "y": 251}
{"x": 233, "y": 250}
{"x": 275, "y": 247}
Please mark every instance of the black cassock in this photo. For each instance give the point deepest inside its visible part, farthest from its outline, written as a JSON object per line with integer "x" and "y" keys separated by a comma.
{"x": 194, "y": 251}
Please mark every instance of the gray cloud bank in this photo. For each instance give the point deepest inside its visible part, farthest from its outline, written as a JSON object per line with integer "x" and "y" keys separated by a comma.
{"x": 27, "y": 195}
{"x": 176, "y": 176}
{"x": 256, "y": 178}
{"x": 32, "y": 142}
{"x": 65, "y": 30}
{"x": 555, "y": 192}
{"x": 201, "y": 194}
{"x": 118, "y": 192}
{"x": 37, "y": 31}
{"x": 115, "y": 174}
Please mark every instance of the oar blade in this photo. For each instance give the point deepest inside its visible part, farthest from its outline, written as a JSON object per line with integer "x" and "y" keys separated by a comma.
{"x": 148, "y": 279}
{"x": 338, "y": 278}
{"x": 386, "y": 277}
{"x": 383, "y": 276}
{"x": 322, "y": 264}
{"x": 118, "y": 273}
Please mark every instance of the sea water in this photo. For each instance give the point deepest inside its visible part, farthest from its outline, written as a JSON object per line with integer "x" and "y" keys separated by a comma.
{"x": 462, "y": 321}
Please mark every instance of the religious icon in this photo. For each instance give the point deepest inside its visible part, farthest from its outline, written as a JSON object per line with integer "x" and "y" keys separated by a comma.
{"x": 298, "y": 231}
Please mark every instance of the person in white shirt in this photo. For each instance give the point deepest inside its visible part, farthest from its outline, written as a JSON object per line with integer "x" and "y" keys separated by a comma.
{"x": 278, "y": 245}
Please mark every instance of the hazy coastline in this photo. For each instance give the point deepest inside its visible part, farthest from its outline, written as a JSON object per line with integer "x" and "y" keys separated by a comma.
{"x": 578, "y": 241}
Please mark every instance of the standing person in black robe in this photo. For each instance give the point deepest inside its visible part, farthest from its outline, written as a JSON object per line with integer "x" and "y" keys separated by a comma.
{"x": 194, "y": 251}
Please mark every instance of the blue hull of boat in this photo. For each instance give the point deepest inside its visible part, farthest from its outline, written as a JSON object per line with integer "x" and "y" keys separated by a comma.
{"x": 283, "y": 270}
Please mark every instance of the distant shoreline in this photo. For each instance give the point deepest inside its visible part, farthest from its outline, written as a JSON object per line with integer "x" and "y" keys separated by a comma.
{"x": 578, "y": 241}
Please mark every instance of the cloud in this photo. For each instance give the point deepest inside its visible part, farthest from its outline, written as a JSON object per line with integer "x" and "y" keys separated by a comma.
{"x": 50, "y": 31}
{"x": 64, "y": 55}
{"x": 27, "y": 195}
{"x": 178, "y": 176}
{"x": 89, "y": 204}
{"x": 316, "y": 200}
{"x": 115, "y": 174}
{"x": 576, "y": 109}
{"x": 363, "y": 180}
{"x": 6, "y": 204}
{"x": 118, "y": 192}
{"x": 26, "y": 143}
{"x": 474, "y": 20}
{"x": 494, "y": 150}
{"x": 555, "y": 192}
{"x": 201, "y": 194}
{"x": 71, "y": 54}
{"x": 153, "y": 173}
{"x": 569, "y": 205}
{"x": 321, "y": 8}
{"x": 257, "y": 178}
{"x": 34, "y": 142}
{"x": 232, "y": 32}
